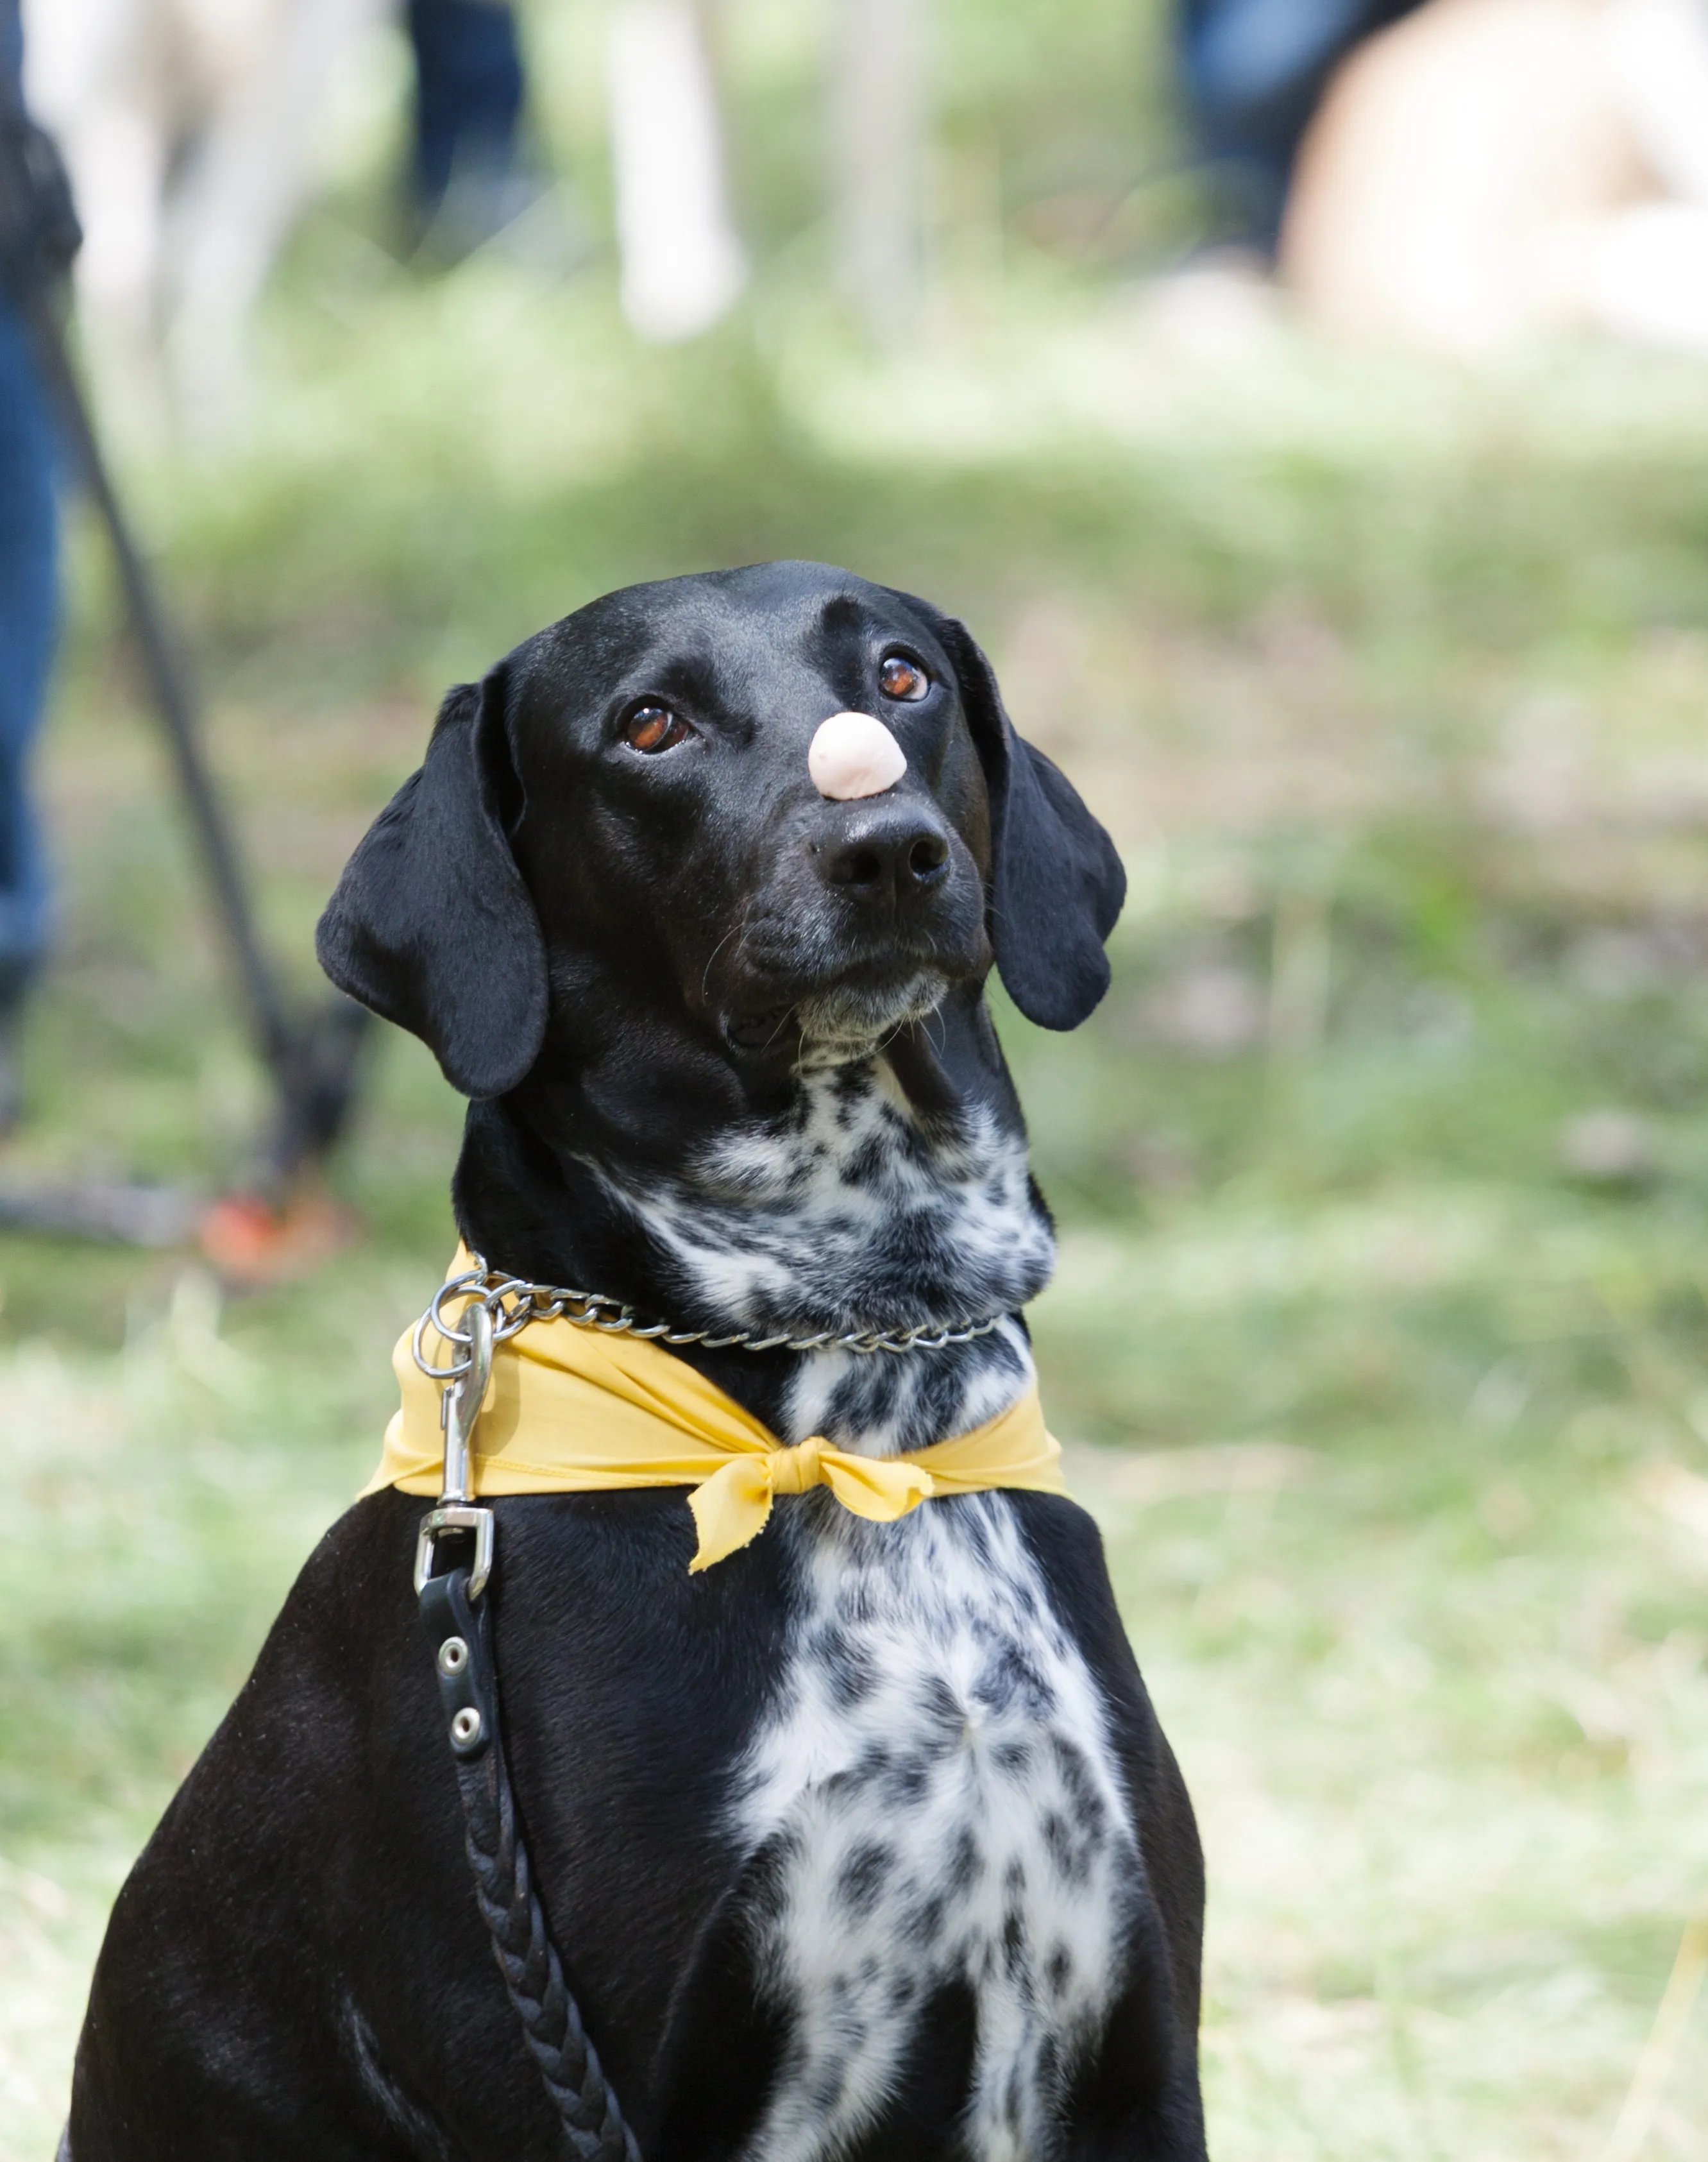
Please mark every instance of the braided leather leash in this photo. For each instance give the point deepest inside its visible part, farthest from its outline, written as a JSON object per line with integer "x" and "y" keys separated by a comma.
{"x": 459, "y": 1623}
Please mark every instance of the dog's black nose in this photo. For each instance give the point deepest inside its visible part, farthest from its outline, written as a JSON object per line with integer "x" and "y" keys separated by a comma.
{"x": 892, "y": 852}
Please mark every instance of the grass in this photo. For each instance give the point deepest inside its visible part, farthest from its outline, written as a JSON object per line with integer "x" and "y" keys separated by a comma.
{"x": 1389, "y": 1386}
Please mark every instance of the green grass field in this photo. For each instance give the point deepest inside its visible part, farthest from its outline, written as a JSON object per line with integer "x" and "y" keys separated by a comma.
{"x": 1381, "y": 1335}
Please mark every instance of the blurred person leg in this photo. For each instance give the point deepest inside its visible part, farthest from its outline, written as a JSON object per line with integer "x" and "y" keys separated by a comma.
{"x": 100, "y": 77}
{"x": 241, "y": 189}
{"x": 877, "y": 107}
{"x": 1252, "y": 73}
{"x": 28, "y": 618}
{"x": 469, "y": 178}
{"x": 681, "y": 263}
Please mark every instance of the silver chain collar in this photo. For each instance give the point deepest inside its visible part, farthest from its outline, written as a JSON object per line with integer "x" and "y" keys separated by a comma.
{"x": 513, "y": 1303}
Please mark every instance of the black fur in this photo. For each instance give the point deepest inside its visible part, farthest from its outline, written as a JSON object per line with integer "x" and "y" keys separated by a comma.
{"x": 433, "y": 895}
{"x": 630, "y": 964}
{"x": 1058, "y": 885}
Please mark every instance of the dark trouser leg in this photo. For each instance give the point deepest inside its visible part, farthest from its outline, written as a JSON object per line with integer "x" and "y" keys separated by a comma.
{"x": 469, "y": 91}
{"x": 29, "y": 621}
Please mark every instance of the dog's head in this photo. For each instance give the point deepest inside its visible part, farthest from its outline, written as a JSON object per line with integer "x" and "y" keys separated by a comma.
{"x": 625, "y": 804}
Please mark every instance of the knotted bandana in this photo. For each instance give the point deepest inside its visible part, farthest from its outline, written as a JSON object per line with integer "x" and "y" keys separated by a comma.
{"x": 575, "y": 1410}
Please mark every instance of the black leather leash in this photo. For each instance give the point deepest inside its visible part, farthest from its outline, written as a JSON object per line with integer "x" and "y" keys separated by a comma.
{"x": 459, "y": 1623}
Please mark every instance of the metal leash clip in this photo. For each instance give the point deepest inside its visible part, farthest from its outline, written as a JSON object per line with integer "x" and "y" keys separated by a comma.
{"x": 456, "y": 1510}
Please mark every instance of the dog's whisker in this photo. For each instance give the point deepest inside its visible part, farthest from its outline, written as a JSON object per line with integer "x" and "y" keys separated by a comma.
{"x": 705, "y": 974}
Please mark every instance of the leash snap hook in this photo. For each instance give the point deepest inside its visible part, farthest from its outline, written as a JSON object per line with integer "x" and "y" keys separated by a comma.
{"x": 455, "y": 1511}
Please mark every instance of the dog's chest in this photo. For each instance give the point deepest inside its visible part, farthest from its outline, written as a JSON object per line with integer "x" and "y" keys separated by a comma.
{"x": 843, "y": 1207}
{"x": 936, "y": 1798}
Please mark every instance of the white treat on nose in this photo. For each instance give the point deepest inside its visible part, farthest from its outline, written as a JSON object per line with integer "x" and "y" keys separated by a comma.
{"x": 852, "y": 756}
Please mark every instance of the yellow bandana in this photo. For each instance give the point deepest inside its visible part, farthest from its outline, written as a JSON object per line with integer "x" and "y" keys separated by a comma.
{"x": 571, "y": 1411}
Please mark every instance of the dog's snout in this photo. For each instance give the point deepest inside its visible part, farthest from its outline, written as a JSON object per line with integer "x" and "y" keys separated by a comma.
{"x": 892, "y": 857}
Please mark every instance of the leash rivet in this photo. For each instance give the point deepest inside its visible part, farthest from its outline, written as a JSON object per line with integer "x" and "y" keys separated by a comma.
{"x": 465, "y": 1727}
{"x": 453, "y": 1656}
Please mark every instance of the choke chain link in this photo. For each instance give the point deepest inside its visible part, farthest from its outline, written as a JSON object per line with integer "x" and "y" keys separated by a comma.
{"x": 513, "y": 1303}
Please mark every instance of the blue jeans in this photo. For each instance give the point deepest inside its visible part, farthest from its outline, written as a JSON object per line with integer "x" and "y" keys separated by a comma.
{"x": 28, "y": 621}
{"x": 29, "y": 598}
{"x": 468, "y": 92}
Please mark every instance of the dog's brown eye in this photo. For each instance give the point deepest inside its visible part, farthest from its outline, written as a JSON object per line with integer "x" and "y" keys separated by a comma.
{"x": 654, "y": 728}
{"x": 902, "y": 678}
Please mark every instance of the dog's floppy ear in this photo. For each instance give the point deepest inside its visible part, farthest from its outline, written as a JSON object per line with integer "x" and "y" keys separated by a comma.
{"x": 1056, "y": 882}
{"x": 431, "y": 925}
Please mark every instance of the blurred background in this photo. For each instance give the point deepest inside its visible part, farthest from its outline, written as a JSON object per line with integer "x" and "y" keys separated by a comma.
{"x": 1309, "y": 412}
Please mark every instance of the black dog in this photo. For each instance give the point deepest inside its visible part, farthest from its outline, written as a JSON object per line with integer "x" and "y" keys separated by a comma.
{"x": 864, "y": 1843}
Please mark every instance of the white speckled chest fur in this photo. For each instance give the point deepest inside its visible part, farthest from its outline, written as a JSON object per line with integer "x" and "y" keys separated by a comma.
{"x": 934, "y": 1796}
{"x": 938, "y": 1790}
{"x": 846, "y": 1209}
